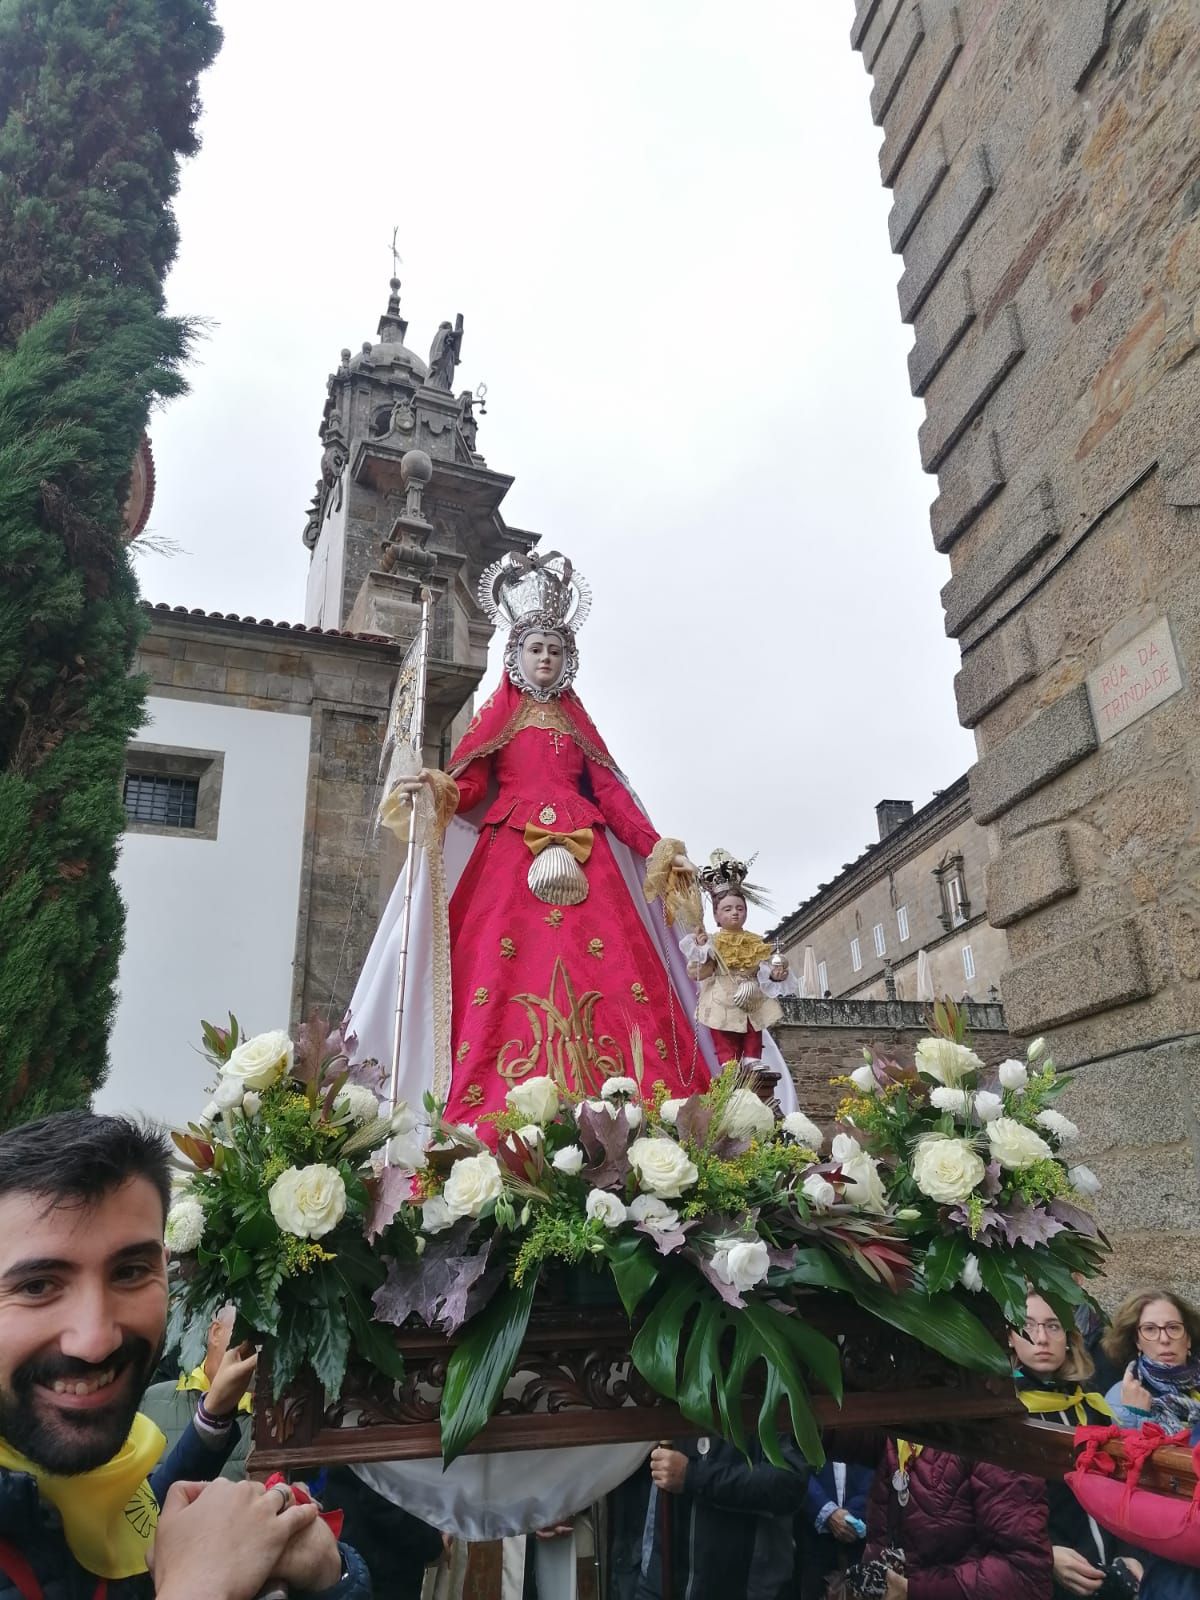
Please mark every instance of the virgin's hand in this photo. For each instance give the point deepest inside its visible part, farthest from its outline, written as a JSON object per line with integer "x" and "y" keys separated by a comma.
{"x": 682, "y": 864}
{"x": 412, "y": 785}
{"x": 1135, "y": 1394}
{"x": 779, "y": 971}
{"x": 1074, "y": 1572}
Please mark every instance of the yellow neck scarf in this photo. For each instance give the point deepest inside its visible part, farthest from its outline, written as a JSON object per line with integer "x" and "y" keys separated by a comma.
{"x": 1043, "y": 1402}
{"x": 197, "y": 1380}
{"x": 907, "y": 1452}
{"x": 109, "y": 1514}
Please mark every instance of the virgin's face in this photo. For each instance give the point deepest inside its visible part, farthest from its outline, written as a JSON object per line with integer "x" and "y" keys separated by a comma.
{"x": 731, "y": 912}
{"x": 542, "y": 659}
{"x": 1041, "y": 1346}
{"x": 1161, "y": 1334}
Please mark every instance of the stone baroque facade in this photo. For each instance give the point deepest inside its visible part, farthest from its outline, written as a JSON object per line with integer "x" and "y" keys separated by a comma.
{"x": 922, "y": 886}
{"x": 1043, "y": 162}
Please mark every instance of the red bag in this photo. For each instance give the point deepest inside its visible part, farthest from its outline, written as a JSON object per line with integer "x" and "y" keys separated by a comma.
{"x": 1159, "y": 1523}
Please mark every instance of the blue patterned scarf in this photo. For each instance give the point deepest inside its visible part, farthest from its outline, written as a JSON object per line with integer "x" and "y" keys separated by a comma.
{"x": 1176, "y": 1393}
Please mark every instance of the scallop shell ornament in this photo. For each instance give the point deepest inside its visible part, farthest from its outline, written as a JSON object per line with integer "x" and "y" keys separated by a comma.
{"x": 556, "y": 878}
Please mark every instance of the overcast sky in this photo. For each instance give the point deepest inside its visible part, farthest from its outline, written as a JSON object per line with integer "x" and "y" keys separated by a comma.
{"x": 665, "y": 229}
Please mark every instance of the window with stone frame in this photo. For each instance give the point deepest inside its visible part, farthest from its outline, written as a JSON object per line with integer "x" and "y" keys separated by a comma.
{"x": 902, "y": 923}
{"x": 172, "y": 791}
{"x": 968, "y": 961}
{"x": 880, "y": 938}
{"x": 855, "y": 955}
{"x": 951, "y": 880}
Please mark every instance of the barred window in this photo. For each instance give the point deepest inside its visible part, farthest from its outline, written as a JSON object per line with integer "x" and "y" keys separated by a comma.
{"x": 168, "y": 802}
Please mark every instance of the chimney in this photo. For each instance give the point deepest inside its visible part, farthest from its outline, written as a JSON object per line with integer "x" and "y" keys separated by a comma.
{"x": 892, "y": 814}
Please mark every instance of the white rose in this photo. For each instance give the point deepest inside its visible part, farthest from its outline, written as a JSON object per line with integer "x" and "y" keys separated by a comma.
{"x": 308, "y": 1201}
{"x": 569, "y": 1159}
{"x": 1084, "y": 1181}
{"x": 863, "y": 1079}
{"x": 407, "y": 1150}
{"x": 1036, "y": 1050}
{"x": 651, "y": 1211}
{"x": 251, "y": 1103}
{"x": 1061, "y": 1127}
{"x": 185, "y": 1226}
{"x": 819, "y": 1191}
{"x": 357, "y": 1102}
{"x": 436, "y": 1215}
{"x": 669, "y": 1111}
{"x": 536, "y": 1098}
{"x": 952, "y": 1100}
{"x": 228, "y": 1093}
{"x": 662, "y": 1167}
{"x": 863, "y": 1186}
{"x": 1013, "y": 1075}
{"x": 614, "y": 1086}
{"x": 607, "y": 1207}
{"x": 258, "y": 1062}
{"x": 797, "y": 1126}
{"x": 473, "y": 1181}
{"x": 970, "y": 1277}
{"x": 946, "y": 1169}
{"x": 746, "y": 1117}
{"x": 741, "y": 1262}
{"x": 946, "y": 1062}
{"x": 1014, "y": 1145}
{"x": 988, "y": 1106}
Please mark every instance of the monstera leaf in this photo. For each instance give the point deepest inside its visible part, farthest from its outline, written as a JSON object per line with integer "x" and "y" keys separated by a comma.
{"x": 701, "y": 1353}
{"x": 482, "y": 1364}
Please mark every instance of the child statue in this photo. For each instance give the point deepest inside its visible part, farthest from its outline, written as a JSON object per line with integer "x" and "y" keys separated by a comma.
{"x": 741, "y": 977}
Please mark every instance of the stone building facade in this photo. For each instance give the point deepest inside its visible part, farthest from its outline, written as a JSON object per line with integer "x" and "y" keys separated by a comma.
{"x": 1043, "y": 161}
{"x": 920, "y": 887}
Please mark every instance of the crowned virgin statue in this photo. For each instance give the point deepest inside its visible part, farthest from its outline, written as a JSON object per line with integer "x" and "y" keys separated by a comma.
{"x": 542, "y": 898}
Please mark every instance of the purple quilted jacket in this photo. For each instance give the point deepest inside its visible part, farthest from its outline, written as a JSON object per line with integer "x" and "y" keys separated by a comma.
{"x": 970, "y": 1531}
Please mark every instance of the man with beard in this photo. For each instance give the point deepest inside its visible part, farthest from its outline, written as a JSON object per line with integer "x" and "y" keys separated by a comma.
{"x": 83, "y": 1309}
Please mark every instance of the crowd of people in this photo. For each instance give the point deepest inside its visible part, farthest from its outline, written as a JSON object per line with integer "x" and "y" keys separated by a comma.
{"x": 115, "y": 1487}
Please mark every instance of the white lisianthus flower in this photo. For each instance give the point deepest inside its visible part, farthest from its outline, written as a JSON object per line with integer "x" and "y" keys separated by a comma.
{"x": 473, "y": 1182}
{"x": 1084, "y": 1181}
{"x": 308, "y": 1201}
{"x": 633, "y": 1116}
{"x": 251, "y": 1103}
{"x": 741, "y": 1262}
{"x": 1013, "y": 1075}
{"x": 1036, "y": 1050}
{"x": 863, "y": 1079}
{"x": 946, "y": 1169}
{"x": 799, "y": 1127}
{"x": 228, "y": 1094}
{"x": 1063, "y": 1129}
{"x": 662, "y": 1167}
{"x": 531, "y": 1135}
{"x": 615, "y": 1086}
{"x": 819, "y": 1191}
{"x": 988, "y": 1106}
{"x": 407, "y": 1150}
{"x": 569, "y": 1159}
{"x": 185, "y": 1226}
{"x": 356, "y": 1101}
{"x": 652, "y": 1212}
{"x": 947, "y": 1062}
{"x": 1014, "y": 1145}
{"x": 863, "y": 1186}
{"x": 746, "y": 1117}
{"x": 258, "y": 1062}
{"x": 970, "y": 1277}
{"x": 436, "y": 1215}
{"x": 606, "y": 1207}
{"x": 536, "y": 1098}
{"x": 669, "y": 1111}
{"x": 403, "y": 1120}
{"x": 952, "y": 1100}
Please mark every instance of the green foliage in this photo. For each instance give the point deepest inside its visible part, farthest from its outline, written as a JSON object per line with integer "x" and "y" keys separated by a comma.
{"x": 97, "y": 104}
{"x": 482, "y": 1364}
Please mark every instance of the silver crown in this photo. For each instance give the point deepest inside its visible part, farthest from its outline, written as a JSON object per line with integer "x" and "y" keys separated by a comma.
{"x": 520, "y": 589}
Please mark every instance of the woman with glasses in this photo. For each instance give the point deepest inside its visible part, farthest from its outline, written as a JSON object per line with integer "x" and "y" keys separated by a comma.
{"x": 1053, "y": 1372}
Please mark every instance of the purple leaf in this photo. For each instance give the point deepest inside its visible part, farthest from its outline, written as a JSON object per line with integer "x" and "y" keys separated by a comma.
{"x": 665, "y": 1240}
{"x": 991, "y": 1180}
{"x": 693, "y": 1122}
{"x": 726, "y": 1290}
{"x": 435, "y": 1286}
{"x": 317, "y": 1047}
{"x": 388, "y": 1193}
{"x": 605, "y": 1141}
{"x": 988, "y": 1221}
{"x": 1074, "y": 1218}
{"x": 1026, "y": 1224}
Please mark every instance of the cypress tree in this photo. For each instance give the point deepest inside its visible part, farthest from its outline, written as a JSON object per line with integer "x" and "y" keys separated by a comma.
{"x": 98, "y": 103}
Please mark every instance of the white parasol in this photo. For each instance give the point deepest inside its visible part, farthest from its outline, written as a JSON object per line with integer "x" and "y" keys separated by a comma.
{"x": 924, "y": 976}
{"x": 810, "y": 984}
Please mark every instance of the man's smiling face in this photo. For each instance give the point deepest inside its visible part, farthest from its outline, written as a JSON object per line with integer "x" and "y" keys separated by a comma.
{"x": 83, "y": 1310}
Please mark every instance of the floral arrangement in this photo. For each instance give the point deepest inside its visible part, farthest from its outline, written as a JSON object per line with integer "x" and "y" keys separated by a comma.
{"x": 325, "y": 1217}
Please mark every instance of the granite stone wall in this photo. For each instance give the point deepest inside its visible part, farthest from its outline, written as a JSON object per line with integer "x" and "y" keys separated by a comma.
{"x": 1045, "y": 167}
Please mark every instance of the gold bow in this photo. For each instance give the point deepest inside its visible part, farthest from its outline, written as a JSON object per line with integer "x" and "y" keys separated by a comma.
{"x": 577, "y": 844}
